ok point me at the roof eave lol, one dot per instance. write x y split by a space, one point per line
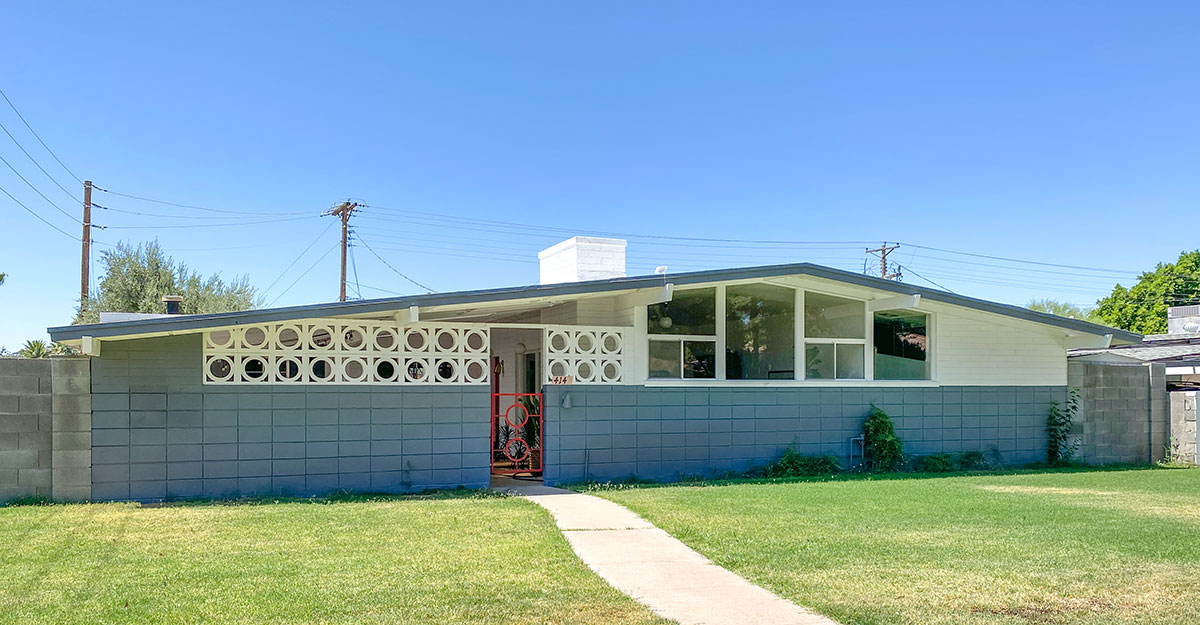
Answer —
185 323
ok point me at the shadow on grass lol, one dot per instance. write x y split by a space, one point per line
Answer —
330 499
693 481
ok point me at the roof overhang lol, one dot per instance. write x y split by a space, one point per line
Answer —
549 294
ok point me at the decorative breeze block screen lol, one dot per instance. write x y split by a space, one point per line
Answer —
347 352
589 355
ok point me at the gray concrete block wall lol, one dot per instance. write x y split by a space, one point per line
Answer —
1183 426
44 428
613 432
1124 413
158 432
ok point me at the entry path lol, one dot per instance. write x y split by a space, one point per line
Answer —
654 568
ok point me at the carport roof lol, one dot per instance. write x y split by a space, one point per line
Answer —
186 323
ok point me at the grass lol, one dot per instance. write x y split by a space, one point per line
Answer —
1074 547
448 559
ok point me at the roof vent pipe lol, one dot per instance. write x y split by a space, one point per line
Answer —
172 302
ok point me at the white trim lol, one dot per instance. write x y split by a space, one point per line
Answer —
721 322
893 303
694 382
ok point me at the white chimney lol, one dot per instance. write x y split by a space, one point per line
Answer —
583 258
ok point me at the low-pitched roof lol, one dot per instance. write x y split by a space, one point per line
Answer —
178 323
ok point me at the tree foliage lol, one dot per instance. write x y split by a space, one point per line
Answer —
136 279
1143 307
41 349
1063 309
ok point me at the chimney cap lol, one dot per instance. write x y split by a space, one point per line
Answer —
172 298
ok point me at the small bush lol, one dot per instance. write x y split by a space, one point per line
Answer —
792 464
936 463
969 460
1061 447
883 449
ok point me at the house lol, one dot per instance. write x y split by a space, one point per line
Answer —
588 375
1177 355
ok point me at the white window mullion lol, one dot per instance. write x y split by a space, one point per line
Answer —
869 347
798 320
720 355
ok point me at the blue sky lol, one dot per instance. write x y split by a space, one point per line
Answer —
1061 132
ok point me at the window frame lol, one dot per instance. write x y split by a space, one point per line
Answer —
802 334
801 342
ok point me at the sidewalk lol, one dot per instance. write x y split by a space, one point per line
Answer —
654 568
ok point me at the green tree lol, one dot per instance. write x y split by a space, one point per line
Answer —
2 277
1143 307
1063 309
136 279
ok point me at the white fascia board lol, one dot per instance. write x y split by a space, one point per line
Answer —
898 302
1088 341
654 296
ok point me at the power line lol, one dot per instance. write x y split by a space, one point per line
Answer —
159 215
297 259
34 213
200 208
229 224
543 228
389 266
301 277
35 190
39 138
910 269
354 265
35 163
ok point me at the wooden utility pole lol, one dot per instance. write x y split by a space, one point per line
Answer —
883 251
85 263
344 210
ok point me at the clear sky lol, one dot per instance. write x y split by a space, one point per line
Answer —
479 133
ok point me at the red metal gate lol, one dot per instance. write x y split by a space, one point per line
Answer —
516 433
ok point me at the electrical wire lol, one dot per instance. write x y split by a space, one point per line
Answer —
38 137
389 266
443 217
37 191
200 208
913 272
306 271
34 213
35 163
297 259
224 225
353 265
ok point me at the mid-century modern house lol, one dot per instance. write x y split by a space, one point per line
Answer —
588 375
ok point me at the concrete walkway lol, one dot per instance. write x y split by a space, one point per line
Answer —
657 570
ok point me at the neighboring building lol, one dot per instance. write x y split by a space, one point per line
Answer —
654 376
1177 353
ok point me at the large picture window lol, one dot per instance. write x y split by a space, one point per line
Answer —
683 335
689 312
834 337
764 331
760 332
901 346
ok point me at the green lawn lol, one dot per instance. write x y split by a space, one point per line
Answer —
449 560
1075 548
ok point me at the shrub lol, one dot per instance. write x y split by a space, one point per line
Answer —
936 463
883 449
969 460
1060 447
792 464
